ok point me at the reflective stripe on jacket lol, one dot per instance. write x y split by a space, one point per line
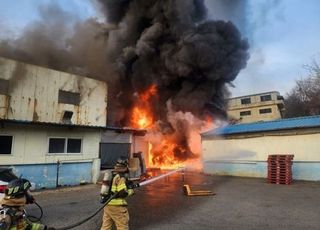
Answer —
118 184
29 226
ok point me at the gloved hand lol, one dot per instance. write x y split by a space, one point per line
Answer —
131 185
121 194
29 198
104 198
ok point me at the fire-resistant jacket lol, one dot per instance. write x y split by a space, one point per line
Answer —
118 184
17 206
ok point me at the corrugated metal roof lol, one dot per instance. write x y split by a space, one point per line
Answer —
266 126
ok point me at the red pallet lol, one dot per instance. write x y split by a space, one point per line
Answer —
279 180
280 171
279 174
277 156
279 161
278 168
280 158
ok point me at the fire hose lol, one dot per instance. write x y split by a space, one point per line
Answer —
113 196
89 217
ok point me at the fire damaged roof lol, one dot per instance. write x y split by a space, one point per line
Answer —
266 126
138 132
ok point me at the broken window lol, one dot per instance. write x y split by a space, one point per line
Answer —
65 145
6 144
66 117
67 97
4 87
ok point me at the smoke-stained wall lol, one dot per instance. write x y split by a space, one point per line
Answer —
39 94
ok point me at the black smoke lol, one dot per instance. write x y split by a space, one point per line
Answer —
166 43
171 44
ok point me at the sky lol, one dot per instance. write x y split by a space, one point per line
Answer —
284 35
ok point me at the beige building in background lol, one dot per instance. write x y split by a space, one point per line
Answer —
256 107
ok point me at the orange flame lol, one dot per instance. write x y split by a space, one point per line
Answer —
164 152
162 155
141 115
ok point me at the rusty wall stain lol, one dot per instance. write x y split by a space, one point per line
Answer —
35 116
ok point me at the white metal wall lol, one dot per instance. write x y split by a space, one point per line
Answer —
304 147
248 156
33 95
30 144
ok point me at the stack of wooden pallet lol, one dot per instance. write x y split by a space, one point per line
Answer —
280 169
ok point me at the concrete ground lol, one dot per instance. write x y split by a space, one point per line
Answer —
239 203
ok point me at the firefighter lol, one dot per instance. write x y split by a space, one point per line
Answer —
116 211
13 204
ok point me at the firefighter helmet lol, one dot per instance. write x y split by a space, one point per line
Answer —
121 165
17 187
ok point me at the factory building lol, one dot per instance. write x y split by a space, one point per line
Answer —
243 149
53 126
256 107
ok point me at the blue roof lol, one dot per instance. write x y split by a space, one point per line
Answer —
265 126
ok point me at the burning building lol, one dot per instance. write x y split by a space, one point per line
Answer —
167 67
171 66
53 125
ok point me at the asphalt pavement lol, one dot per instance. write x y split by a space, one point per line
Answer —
239 203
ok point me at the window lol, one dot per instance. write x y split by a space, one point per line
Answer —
6 144
262 111
246 101
64 145
57 145
245 113
74 145
280 98
265 97
67 97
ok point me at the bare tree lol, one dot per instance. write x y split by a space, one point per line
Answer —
304 98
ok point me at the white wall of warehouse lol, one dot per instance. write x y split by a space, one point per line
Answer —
304 147
30 144
247 156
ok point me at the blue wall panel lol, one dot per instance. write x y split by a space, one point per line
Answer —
45 175
306 171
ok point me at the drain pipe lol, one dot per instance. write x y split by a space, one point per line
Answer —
58 169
